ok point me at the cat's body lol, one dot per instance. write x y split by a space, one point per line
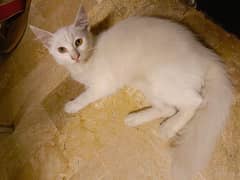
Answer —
139 53
182 80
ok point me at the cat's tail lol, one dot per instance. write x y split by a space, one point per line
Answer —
194 148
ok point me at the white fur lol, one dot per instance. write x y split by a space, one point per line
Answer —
181 78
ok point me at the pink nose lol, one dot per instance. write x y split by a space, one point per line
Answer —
76 57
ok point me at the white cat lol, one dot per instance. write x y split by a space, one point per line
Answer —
183 80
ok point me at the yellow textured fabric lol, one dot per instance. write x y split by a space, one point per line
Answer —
49 144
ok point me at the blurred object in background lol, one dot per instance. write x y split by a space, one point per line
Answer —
224 13
6 129
13 23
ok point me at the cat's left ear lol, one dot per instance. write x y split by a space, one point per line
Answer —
42 35
81 19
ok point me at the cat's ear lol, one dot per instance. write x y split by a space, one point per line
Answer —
81 19
42 35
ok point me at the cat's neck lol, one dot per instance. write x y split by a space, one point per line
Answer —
75 68
79 72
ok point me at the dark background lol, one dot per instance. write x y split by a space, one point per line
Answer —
225 13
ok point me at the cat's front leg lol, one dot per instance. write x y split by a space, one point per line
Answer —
76 104
86 98
80 102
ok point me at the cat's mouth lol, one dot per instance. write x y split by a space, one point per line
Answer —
76 58
84 57
81 60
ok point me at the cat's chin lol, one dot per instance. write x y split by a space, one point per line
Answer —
67 61
79 62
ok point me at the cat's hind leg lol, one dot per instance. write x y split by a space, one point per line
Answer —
178 110
186 110
149 114
159 110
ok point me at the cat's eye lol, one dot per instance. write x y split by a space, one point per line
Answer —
78 42
62 49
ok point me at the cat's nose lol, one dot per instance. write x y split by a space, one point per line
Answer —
75 57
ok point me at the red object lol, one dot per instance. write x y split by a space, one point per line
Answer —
11 8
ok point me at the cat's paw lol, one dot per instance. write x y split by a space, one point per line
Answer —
132 121
71 107
167 131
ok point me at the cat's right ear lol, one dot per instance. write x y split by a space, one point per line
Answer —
81 19
42 35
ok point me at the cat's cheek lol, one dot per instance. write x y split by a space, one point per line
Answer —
66 59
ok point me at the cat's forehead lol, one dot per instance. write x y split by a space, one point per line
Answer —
69 33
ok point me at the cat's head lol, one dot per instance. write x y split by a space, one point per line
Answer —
71 44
